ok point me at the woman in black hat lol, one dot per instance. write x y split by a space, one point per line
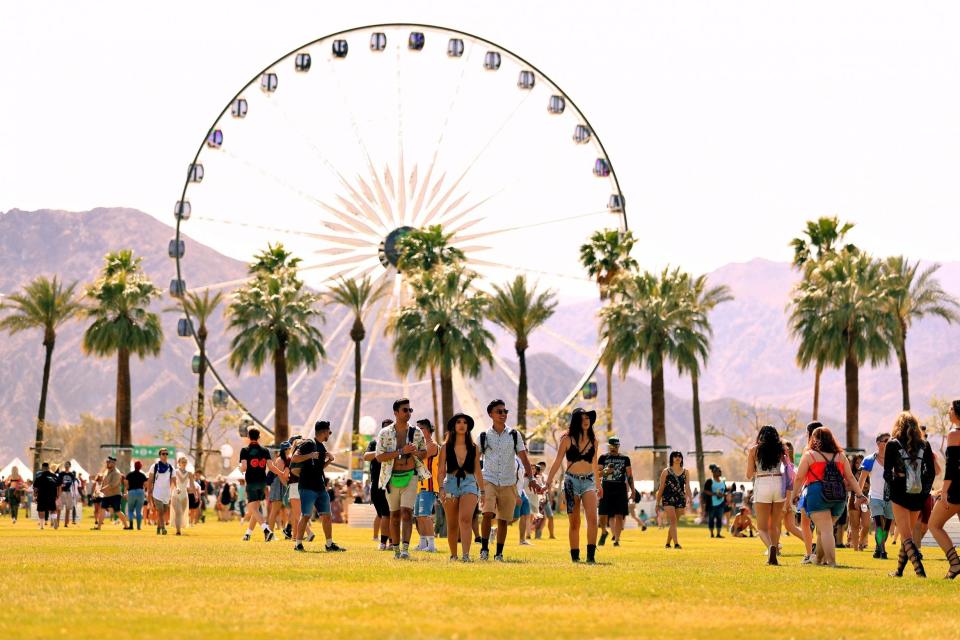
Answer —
581 482
460 490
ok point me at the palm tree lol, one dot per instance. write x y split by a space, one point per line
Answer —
843 302
122 325
424 249
696 349
520 310
651 322
199 309
912 295
272 317
43 304
357 296
442 326
823 237
606 257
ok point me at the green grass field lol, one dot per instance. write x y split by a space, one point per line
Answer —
208 584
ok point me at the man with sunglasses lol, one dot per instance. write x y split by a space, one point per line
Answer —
881 509
500 447
400 450
158 489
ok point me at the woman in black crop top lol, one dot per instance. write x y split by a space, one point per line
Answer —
673 495
581 482
460 490
949 503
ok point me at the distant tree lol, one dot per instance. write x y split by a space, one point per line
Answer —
184 431
938 424
425 249
81 441
43 304
747 420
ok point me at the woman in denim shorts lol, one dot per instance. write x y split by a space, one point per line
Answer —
581 482
460 491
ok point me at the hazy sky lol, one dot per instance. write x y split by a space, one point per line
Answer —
728 123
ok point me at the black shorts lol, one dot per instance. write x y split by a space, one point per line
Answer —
46 505
614 501
256 492
192 501
113 502
379 499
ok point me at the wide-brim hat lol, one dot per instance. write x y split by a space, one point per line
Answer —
591 413
452 422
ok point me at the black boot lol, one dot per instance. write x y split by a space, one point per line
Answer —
914 554
901 563
954 561
591 554
575 555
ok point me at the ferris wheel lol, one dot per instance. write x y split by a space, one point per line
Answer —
339 147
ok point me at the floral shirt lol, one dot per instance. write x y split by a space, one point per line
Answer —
387 443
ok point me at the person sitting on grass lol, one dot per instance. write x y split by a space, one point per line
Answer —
742 524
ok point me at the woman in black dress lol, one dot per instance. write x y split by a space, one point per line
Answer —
673 495
949 503
908 469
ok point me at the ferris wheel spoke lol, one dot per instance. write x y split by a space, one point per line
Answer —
522 270
532 225
348 240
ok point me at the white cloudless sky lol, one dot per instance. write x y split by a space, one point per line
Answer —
728 124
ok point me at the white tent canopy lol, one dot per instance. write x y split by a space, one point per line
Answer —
26 471
78 469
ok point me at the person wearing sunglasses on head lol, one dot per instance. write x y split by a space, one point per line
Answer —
401 449
500 447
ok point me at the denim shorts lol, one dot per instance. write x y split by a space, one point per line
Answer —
881 508
574 486
522 509
423 507
309 499
467 485
814 501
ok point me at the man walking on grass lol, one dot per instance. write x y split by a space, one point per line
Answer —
500 447
111 486
401 449
45 493
427 492
66 493
253 464
617 487
312 456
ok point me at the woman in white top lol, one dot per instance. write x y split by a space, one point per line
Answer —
765 466
183 485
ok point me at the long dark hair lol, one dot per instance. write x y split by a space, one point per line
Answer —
769 447
450 441
576 428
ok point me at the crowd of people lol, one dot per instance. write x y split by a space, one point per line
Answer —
471 490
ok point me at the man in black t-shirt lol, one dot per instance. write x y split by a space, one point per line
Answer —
617 486
378 496
45 486
66 479
253 464
312 456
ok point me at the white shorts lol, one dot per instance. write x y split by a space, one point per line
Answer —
768 489
294 491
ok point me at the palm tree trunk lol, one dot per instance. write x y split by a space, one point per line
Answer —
904 371
201 399
852 381
816 391
42 411
657 405
439 426
609 374
697 432
281 429
446 391
357 390
124 429
522 393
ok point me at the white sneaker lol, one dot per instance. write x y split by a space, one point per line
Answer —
526 543
404 555
431 548
421 546
808 559
382 547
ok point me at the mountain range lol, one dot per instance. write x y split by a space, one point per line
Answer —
751 364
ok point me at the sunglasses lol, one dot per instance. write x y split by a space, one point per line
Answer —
406 409
502 412
163 455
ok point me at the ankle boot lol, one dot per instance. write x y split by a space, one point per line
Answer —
954 561
914 554
901 563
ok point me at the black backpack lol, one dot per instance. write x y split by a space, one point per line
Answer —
833 488
513 432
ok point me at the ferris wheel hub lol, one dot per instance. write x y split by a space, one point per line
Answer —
389 254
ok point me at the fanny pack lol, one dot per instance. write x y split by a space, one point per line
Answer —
401 479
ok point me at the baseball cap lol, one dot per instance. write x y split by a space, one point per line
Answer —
613 440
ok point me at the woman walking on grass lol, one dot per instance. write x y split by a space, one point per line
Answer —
766 466
673 495
460 490
949 503
184 485
790 511
581 482
908 468
826 473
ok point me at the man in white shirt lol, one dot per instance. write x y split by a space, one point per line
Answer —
500 446
881 510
